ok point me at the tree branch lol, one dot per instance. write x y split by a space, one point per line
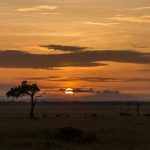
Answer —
39 96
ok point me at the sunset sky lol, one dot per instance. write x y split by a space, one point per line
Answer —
99 44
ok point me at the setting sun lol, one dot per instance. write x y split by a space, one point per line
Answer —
69 91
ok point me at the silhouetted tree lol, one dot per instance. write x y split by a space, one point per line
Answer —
26 89
138 106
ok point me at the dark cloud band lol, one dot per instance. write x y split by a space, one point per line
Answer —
64 48
19 59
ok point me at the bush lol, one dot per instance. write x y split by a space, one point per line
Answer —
69 134
147 115
52 145
24 145
94 115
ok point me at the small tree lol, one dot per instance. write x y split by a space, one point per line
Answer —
26 89
138 106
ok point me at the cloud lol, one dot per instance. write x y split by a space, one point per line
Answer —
37 8
88 79
141 8
100 23
50 13
136 8
98 79
137 19
44 34
64 48
138 45
72 79
20 59
137 80
79 90
104 96
41 78
146 70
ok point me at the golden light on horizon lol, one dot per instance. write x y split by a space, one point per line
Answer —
69 91
58 51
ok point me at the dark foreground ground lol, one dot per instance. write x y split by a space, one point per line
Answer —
112 131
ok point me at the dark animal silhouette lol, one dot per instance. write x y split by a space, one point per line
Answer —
94 115
125 114
44 115
67 116
58 115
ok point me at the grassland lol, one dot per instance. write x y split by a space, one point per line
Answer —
113 132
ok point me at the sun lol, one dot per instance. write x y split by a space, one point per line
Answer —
69 91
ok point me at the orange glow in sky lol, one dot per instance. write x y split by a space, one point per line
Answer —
76 43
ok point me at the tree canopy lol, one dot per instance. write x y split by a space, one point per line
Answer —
24 89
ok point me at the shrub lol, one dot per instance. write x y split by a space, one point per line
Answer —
94 115
69 134
147 115
24 145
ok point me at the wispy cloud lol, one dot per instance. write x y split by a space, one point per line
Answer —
100 23
141 8
137 80
136 8
71 79
137 19
146 70
57 34
37 8
88 79
45 13
42 78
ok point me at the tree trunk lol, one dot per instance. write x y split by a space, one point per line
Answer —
138 109
32 108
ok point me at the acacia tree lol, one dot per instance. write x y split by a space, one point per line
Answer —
138 106
26 89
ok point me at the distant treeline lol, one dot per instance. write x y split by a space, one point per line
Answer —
78 103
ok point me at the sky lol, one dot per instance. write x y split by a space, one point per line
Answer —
99 44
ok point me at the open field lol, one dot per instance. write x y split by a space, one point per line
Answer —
113 132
